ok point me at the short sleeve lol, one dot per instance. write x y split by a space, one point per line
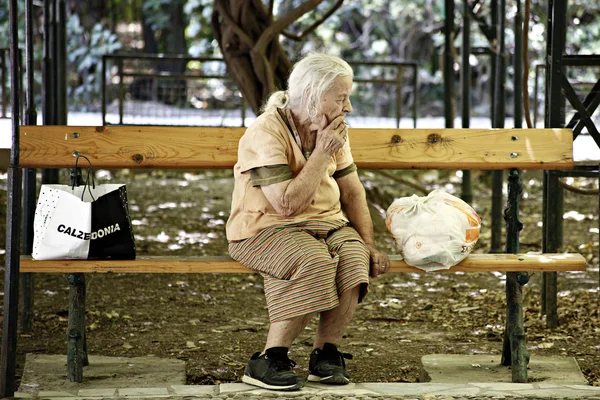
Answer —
270 174
343 157
262 145
340 173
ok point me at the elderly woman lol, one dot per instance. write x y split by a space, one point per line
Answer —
299 216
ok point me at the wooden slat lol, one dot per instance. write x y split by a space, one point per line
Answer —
473 263
205 147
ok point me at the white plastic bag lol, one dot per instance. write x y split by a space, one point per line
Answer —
433 232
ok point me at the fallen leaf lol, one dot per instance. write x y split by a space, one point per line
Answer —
545 345
465 309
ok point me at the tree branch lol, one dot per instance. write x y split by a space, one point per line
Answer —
271 5
314 26
236 28
589 192
482 23
269 34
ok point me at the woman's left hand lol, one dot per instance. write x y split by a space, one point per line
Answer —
380 262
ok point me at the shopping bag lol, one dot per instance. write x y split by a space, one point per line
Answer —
83 222
433 232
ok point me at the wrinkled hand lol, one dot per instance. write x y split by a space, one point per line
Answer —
331 137
380 262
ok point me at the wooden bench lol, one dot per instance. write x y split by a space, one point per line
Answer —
196 148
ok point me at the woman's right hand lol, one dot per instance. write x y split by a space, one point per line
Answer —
331 137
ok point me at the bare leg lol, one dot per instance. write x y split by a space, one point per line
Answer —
333 323
283 333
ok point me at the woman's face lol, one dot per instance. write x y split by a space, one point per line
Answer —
336 100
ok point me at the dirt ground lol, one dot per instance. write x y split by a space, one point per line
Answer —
215 322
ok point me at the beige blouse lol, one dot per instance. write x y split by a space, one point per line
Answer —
269 142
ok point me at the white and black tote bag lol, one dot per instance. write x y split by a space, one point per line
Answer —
83 222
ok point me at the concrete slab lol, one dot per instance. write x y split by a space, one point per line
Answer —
458 368
108 392
145 391
54 393
21 395
408 389
49 373
194 390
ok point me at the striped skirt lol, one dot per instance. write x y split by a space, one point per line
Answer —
306 266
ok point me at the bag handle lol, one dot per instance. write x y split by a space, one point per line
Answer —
90 172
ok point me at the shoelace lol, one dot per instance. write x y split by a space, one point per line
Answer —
281 364
347 356
334 359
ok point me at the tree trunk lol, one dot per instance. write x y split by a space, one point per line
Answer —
237 26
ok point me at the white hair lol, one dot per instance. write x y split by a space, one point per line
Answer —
310 79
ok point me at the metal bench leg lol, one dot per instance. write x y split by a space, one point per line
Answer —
77 349
514 350
514 347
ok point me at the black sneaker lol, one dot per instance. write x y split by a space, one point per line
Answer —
272 370
328 366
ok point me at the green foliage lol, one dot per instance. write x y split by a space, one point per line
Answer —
155 13
199 31
84 52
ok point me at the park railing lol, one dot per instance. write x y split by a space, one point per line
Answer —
592 100
156 89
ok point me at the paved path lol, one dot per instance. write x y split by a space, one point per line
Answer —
313 391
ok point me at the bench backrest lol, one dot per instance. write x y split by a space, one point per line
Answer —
206 147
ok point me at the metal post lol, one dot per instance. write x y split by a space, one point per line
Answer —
103 87
3 81
518 67
465 77
535 93
493 57
554 119
47 73
49 84
121 89
415 95
514 349
8 356
54 55
243 104
76 352
550 244
21 86
449 64
61 62
29 184
500 77
399 72
498 122
466 67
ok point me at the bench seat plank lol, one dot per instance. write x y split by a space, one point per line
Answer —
207 147
175 264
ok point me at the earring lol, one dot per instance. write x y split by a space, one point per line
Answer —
311 115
